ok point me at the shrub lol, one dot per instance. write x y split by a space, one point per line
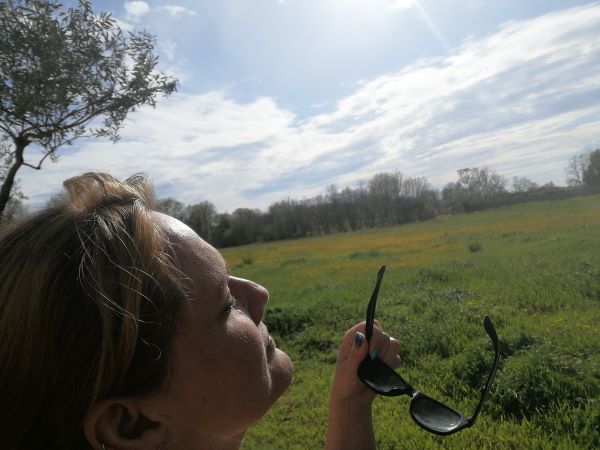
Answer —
365 254
438 275
513 343
458 294
535 380
285 322
473 365
475 247
315 345
428 338
582 422
291 261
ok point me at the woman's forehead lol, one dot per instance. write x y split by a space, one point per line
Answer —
194 255
171 226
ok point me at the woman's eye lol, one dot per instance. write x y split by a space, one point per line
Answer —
232 303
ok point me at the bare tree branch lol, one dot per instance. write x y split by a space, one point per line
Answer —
39 164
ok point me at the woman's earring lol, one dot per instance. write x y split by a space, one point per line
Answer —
103 446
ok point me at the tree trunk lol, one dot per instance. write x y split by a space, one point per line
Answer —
7 184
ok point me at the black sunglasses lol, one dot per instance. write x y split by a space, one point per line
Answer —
427 412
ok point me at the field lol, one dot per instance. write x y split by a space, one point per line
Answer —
534 268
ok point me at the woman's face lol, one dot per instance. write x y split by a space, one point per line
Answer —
227 371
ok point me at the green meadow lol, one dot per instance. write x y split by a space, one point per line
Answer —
533 268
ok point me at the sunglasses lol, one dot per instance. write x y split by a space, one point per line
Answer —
427 412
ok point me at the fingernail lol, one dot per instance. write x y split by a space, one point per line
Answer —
375 353
357 339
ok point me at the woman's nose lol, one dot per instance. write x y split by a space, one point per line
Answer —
251 296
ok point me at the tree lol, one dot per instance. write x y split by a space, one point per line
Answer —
475 189
454 197
66 74
575 168
201 218
591 174
222 230
384 190
415 187
523 184
171 207
483 184
58 199
6 161
246 226
15 209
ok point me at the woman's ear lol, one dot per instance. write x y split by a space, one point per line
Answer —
122 424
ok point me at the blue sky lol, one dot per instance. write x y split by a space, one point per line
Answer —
281 98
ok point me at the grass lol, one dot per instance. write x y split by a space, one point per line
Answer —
534 268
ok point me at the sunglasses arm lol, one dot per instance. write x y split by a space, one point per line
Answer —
372 304
492 333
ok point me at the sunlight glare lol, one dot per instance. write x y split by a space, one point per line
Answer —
431 25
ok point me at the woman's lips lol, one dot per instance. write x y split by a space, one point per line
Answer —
271 345
268 340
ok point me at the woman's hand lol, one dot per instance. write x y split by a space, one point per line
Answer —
347 387
350 422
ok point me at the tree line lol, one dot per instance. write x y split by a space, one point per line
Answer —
387 199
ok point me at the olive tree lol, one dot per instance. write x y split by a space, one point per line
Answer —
65 74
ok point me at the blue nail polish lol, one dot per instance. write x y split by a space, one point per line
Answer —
375 354
357 339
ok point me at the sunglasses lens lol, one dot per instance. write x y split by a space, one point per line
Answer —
435 416
381 378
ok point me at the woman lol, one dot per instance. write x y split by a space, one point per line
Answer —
120 328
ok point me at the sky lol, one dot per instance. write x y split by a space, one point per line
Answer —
282 98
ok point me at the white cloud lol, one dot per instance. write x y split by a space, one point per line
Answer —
123 25
474 4
167 47
136 9
400 5
521 100
177 10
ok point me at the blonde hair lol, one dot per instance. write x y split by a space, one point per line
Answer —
88 301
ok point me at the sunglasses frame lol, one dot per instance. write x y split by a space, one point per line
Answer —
372 369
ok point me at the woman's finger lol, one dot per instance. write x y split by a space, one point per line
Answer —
391 356
358 352
348 341
379 343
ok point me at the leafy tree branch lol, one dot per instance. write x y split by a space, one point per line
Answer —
66 74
